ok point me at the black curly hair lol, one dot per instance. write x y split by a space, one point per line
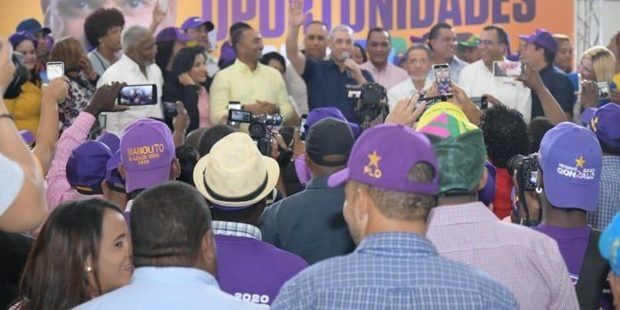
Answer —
505 134
99 22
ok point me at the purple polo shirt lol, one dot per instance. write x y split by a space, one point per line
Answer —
572 243
254 270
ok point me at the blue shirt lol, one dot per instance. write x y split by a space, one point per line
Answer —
309 223
608 195
560 87
327 86
393 270
169 288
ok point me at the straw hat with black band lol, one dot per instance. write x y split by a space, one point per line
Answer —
234 174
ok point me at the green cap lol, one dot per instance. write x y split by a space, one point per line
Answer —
471 42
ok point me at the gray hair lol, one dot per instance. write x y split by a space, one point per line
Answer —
420 47
345 28
133 35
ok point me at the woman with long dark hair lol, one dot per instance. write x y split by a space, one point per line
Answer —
190 71
83 251
25 105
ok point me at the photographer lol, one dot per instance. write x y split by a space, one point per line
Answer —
568 182
505 135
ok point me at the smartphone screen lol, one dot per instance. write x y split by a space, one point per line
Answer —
481 102
239 116
302 127
604 92
442 79
55 69
138 95
508 69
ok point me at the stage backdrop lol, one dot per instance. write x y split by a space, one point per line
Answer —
404 18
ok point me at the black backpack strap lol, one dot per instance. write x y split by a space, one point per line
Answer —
593 274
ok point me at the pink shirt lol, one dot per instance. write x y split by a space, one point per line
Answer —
527 262
204 108
388 76
58 188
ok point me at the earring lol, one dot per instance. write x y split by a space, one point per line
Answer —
89 268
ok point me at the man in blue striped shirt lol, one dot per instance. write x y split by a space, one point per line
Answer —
392 182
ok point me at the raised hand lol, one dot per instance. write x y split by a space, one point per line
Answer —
296 16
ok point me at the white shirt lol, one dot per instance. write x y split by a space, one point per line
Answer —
388 76
405 89
11 181
476 80
126 70
297 89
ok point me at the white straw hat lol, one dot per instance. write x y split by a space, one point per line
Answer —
234 173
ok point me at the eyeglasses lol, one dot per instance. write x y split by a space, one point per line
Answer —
486 42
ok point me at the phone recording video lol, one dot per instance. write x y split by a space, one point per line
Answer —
508 69
481 102
442 79
239 116
138 95
302 127
604 91
55 69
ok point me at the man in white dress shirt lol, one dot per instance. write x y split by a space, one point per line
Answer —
136 66
477 78
417 64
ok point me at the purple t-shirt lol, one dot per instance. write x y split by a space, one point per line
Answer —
572 243
254 270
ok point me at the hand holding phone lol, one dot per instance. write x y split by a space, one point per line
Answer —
138 95
55 69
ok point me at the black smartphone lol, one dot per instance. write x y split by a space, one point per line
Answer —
302 127
239 116
481 102
443 80
138 95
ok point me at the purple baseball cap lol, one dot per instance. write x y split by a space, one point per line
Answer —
320 113
543 38
605 123
147 151
383 156
86 167
570 158
27 136
20 37
586 116
112 176
110 140
196 21
171 34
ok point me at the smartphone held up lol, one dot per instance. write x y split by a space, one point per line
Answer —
509 69
54 69
138 95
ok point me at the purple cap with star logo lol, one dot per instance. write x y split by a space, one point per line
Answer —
570 158
605 123
383 156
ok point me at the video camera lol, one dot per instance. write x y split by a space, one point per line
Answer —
259 129
526 168
371 102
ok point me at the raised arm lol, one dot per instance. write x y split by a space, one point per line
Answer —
551 108
47 134
29 208
296 18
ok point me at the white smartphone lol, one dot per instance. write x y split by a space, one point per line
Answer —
55 69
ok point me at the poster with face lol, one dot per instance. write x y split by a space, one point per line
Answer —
66 17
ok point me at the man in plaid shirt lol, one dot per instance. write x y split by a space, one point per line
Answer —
391 186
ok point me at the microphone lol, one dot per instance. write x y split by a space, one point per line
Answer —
344 56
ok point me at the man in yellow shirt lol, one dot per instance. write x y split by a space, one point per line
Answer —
258 87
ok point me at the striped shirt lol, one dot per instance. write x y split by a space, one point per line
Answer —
393 270
529 263
609 193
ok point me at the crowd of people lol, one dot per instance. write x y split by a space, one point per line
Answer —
444 203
